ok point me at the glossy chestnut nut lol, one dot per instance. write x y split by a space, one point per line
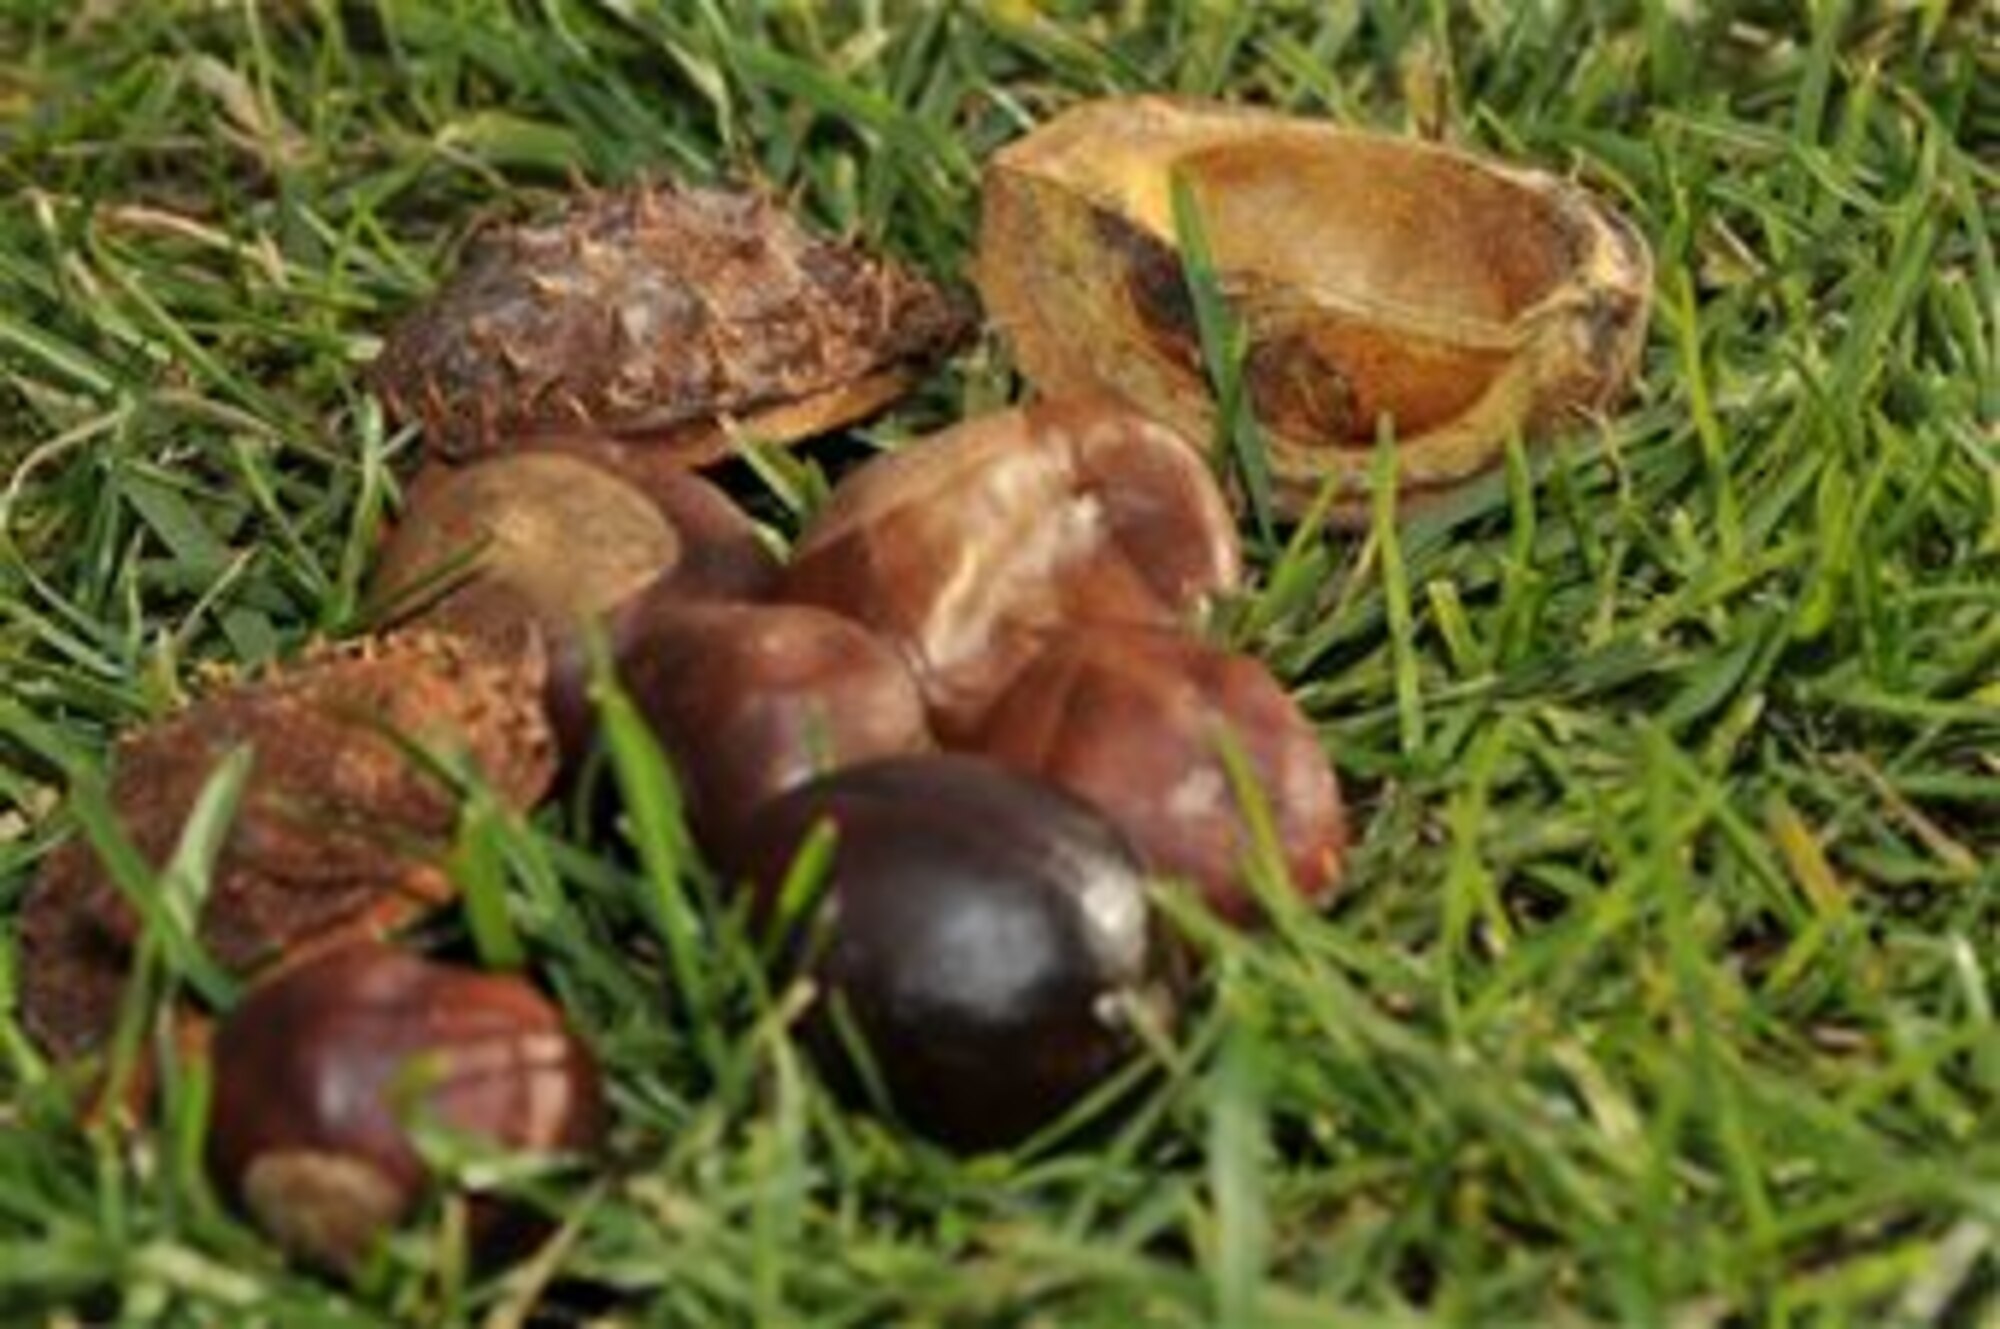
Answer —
545 541
321 1070
961 548
751 700
986 934
1130 720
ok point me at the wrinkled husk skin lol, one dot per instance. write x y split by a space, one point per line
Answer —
668 316
341 829
1462 299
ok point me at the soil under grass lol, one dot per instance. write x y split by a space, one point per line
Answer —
1663 988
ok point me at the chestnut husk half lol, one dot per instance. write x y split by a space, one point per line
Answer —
1463 300
963 548
985 936
675 317
342 828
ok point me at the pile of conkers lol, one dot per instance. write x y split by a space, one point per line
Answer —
980 671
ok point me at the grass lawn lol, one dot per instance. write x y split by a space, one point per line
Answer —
1663 987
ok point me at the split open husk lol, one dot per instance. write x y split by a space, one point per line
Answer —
672 318
1463 299
342 830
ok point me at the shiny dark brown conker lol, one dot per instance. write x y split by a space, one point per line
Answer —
751 700
1133 721
962 547
986 936
321 1072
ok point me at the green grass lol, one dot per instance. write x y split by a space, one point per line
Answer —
1663 988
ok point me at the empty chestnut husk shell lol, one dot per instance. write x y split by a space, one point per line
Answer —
751 700
549 540
1132 720
985 936
668 316
963 547
321 1072
1463 300
342 828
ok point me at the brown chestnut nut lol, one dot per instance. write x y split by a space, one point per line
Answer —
722 556
984 934
320 1073
1129 719
751 700
550 539
962 547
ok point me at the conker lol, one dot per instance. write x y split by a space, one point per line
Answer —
321 1071
963 547
751 700
1131 719
987 934
722 556
548 540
